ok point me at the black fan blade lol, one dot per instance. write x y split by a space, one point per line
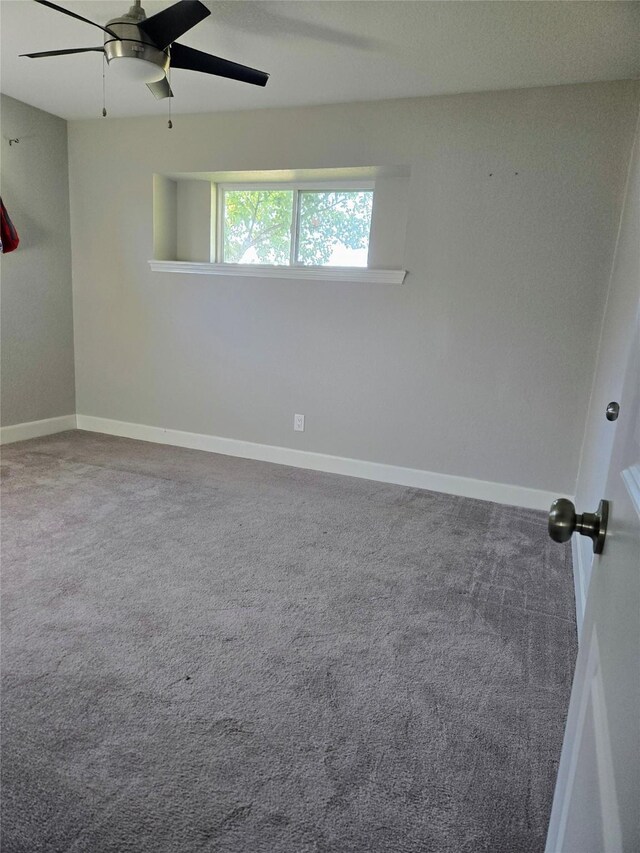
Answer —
161 89
196 60
171 23
63 52
79 17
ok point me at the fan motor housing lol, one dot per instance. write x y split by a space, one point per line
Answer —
133 44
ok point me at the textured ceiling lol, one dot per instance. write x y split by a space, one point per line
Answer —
329 51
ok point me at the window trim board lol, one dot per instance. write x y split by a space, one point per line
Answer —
357 275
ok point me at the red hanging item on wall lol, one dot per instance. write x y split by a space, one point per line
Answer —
9 239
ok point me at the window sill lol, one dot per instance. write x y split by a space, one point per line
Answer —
352 274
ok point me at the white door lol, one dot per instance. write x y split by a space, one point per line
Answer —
596 806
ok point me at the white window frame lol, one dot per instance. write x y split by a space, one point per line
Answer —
296 187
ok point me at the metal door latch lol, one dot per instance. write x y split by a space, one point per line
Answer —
612 412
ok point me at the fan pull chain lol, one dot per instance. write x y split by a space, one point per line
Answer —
104 87
169 123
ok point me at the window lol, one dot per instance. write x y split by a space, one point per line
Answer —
302 225
341 224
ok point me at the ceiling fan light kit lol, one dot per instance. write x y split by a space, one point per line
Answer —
142 50
136 69
132 55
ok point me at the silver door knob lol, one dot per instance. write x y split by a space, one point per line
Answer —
563 522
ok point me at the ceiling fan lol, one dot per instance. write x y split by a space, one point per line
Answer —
143 49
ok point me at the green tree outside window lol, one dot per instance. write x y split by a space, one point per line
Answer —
333 226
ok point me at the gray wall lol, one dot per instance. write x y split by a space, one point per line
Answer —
480 365
36 299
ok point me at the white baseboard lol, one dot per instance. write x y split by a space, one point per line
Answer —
36 429
464 486
582 554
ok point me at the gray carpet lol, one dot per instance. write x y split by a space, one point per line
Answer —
203 653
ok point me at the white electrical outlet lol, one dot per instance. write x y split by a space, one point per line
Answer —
298 423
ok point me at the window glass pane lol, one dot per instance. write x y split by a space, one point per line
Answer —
334 227
257 226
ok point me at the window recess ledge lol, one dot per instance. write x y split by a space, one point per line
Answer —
297 273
